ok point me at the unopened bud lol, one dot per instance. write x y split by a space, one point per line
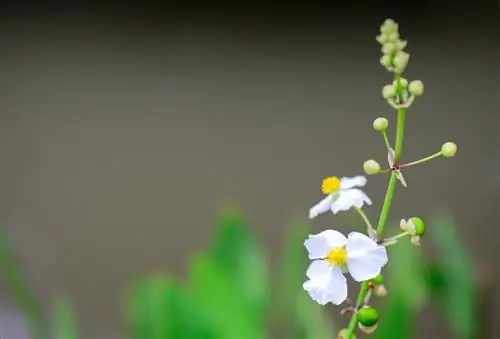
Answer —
401 61
389 48
343 334
393 37
371 167
367 316
417 225
380 291
402 82
389 92
416 88
386 61
449 149
382 39
380 124
401 44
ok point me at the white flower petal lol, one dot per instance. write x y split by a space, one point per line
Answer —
318 245
365 258
346 182
319 270
333 238
321 207
349 198
332 288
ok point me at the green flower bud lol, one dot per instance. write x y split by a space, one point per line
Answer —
367 316
371 167
449 149
389 92
401 44
378 280
382 39
342 334
393 37
418 225
416 88
401 61
389 26
380 124
389 48
386 61
402 82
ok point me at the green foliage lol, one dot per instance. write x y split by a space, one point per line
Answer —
228 292
64 319
447 281
407 291
451 279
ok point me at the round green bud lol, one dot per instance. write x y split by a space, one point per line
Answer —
419 226
378 280
386 61
401 44
416 88
380 124
382 39
402 82
401 61
389 92
342 334
389 48
367 316
449 149
393 37
371 167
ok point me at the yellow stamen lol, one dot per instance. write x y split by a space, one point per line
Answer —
330 185
337 256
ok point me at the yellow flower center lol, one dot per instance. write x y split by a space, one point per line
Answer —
337 256
330 185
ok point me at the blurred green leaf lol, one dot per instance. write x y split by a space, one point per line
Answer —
237 252
217 295
451 279
64 319
407 290
302 317
158 308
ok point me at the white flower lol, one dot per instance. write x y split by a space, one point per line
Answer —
331 251
342 194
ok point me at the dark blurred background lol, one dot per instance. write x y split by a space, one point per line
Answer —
125 126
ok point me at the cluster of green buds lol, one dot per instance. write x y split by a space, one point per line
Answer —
400 95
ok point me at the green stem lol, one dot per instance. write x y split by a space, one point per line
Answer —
386 140
354 320
366 220
21 292
384 213
423 160
399 134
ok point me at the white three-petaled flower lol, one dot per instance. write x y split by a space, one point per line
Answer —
342 194
331 251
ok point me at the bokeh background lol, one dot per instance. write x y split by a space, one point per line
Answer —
124 127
